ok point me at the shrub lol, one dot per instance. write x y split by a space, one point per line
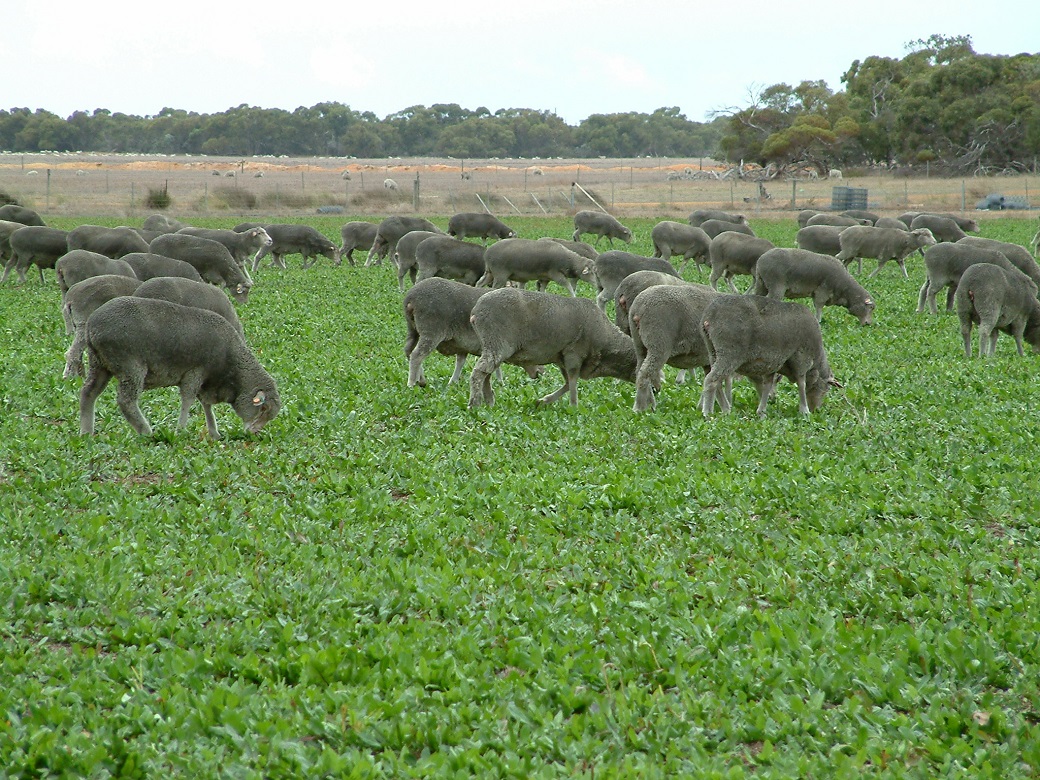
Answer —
159 199
233 198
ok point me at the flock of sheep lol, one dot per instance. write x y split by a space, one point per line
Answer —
144 304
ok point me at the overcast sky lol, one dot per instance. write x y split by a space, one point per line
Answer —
573 57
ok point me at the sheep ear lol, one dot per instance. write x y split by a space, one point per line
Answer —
259 398
835 383
869 302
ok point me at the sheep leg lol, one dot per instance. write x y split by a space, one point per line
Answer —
803 401
713 383
190 386
922 296
131 385
966 336
211 421
732 286
713 278
480 391
95 383
1017 330
764 387
601 300
880 265
647 381
460 364
423 349
902 267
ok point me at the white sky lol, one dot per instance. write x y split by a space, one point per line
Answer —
573 57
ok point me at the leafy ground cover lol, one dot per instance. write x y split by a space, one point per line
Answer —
386 583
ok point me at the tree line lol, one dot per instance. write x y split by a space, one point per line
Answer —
942 104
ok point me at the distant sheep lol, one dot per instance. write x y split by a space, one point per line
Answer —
678 238
838 220
613 266
883 244
822 239
942 228
834 174
356 235
714 227
523 260
390 184
735 254
601 225
700 216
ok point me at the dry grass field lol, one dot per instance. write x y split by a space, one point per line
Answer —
74 184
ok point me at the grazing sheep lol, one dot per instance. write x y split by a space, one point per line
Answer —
735 253
677 238
6 229
245 245
945 264
525 260
579 247
148 265
884 244
869 216
613 266
967 224
356 235
449 258
1035 243
822 239
528 328
80 264
81 300
796 273
34 244
404 255
160 223
191 293
764 339
437 312
834 174
805 215
632 285
147 343
390 184
601 225
987 296
700 216
891 222
12 212
480 225
665 323
111 242
836 220
390 231
941 228
210 258
292 239
1018 255
715 226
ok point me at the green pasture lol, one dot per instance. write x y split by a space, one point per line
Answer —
384 583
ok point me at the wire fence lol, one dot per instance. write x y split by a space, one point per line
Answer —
75 184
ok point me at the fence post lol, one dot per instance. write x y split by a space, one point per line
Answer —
48 189
964 196
794 184
415 192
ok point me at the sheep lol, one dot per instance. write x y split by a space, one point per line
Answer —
1035 243
404 255
12 212
436 313
665 323
191 293
945 263
796 273
834 174
700 216
443 256
835 220
632 285
390 231
356 235
987 296
210 258
967 224
764 339
613 266
528 328
80 264
245 245
34 244
579 247
147 343
891 222
524 260
715 226
822 239
677 238
805 215
390 184
869 216
479 225
884 244
111 242
148 265
735 253
942 228
160 223
292 239
6 229
80 301
600 225
1018 255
